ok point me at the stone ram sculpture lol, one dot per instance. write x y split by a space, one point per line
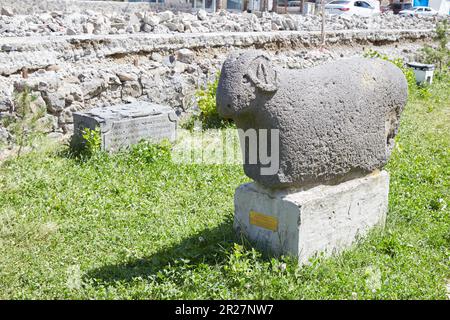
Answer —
336 121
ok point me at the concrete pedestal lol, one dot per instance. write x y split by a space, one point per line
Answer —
321 219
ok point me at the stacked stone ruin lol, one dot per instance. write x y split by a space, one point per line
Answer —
72 59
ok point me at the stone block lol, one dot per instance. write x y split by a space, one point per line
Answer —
325 218
127 124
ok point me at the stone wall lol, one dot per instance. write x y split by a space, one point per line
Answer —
69 73
58 23
71 6
78 73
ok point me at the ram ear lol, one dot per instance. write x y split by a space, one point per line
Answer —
262 74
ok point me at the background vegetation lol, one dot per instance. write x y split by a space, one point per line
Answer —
207 112
439 55
26 121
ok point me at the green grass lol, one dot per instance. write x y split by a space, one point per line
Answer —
137 226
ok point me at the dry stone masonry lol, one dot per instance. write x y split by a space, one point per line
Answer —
70 75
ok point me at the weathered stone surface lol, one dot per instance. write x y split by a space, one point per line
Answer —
4 136
324 219
7 11
166 16
336 121
6 97
152 20
126 77
201 14
185 55
124 125
47 124
88 28
131 89
71 32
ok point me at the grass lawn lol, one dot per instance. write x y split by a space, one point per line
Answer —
137 226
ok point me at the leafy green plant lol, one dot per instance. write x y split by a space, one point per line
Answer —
92 140
440 56
147 152
424 92
209 117
241 264
23 126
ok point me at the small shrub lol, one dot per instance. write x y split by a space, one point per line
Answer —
92 141
209 117
424 92
147 152
241 264
24 125
440 56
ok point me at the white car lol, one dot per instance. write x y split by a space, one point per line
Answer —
425 11
353 7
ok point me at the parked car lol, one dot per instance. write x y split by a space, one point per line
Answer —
353 7
419 11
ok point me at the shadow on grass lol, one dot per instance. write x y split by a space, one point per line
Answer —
209 246
76 155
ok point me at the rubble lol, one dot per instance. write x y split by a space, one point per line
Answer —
7 11
88 22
